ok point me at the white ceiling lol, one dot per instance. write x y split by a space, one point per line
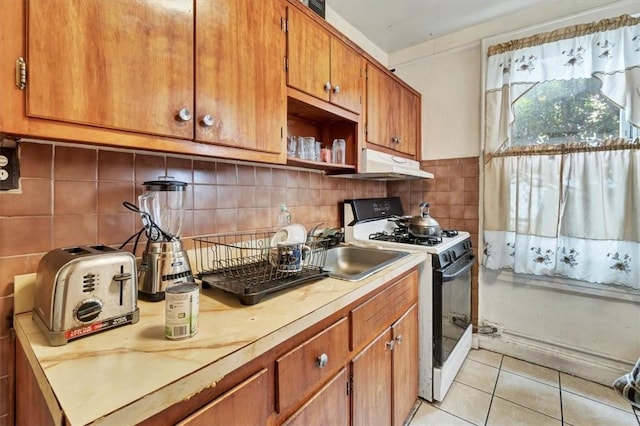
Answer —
393 25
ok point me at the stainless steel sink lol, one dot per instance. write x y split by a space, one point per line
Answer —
357 263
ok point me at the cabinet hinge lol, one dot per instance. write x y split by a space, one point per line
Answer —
286 63
350 384
281 132
21 73
284 23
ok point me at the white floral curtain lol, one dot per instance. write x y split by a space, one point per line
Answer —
571 209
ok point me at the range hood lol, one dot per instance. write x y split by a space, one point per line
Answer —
378 165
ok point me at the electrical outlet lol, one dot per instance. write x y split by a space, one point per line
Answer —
9 168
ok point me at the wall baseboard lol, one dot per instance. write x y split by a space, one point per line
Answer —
586 366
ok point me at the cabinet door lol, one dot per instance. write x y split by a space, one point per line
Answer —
405 365
124 65
245 404
346 76
240 80
409 122
308 49
371 396
327 407
382 108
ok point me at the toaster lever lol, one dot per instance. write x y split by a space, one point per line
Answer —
121 278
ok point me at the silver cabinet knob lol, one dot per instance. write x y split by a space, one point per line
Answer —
327 86
390 344
183 115
207 120
322 360
336 89
399 339
395 139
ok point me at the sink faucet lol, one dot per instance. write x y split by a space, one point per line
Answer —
313 231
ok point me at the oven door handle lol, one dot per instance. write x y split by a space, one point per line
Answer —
459 268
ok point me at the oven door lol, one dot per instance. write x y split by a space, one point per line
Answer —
452 327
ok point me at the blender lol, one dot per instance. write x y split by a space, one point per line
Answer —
164 261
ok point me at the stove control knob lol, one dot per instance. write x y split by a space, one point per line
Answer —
452 255
446 257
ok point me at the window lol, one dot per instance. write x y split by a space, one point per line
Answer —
562 170
555 112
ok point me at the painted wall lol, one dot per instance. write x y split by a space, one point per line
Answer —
582 332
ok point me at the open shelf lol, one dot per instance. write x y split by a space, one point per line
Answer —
333 167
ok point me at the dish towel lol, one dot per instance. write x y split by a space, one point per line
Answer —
628 386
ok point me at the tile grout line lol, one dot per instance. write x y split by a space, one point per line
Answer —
493 396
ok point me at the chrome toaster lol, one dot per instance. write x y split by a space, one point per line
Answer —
83 290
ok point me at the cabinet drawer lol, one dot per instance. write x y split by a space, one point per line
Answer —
380 311
330 406
231 407
307 366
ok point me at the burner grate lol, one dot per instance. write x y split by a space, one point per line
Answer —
401 235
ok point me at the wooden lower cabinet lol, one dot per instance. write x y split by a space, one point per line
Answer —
245 404
31 405
358 366
385 374
405 365
329 406
371 393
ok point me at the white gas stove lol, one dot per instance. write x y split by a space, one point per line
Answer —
444 293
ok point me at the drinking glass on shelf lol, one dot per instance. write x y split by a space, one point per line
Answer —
292 143
338 151
300 147
308 148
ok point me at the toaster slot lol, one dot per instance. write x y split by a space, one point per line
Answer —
103 249
76 251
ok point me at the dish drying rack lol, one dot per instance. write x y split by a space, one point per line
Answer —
243 264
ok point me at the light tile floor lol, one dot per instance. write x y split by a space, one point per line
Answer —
494 389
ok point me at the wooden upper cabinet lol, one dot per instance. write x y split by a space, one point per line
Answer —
321 65
347 71
393 113
408 130
382 105
240 78
124 65
308 50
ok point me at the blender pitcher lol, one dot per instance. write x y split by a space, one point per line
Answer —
163 201
164 261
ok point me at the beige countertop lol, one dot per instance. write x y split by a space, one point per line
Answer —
126 374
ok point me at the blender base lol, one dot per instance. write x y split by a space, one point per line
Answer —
164 263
